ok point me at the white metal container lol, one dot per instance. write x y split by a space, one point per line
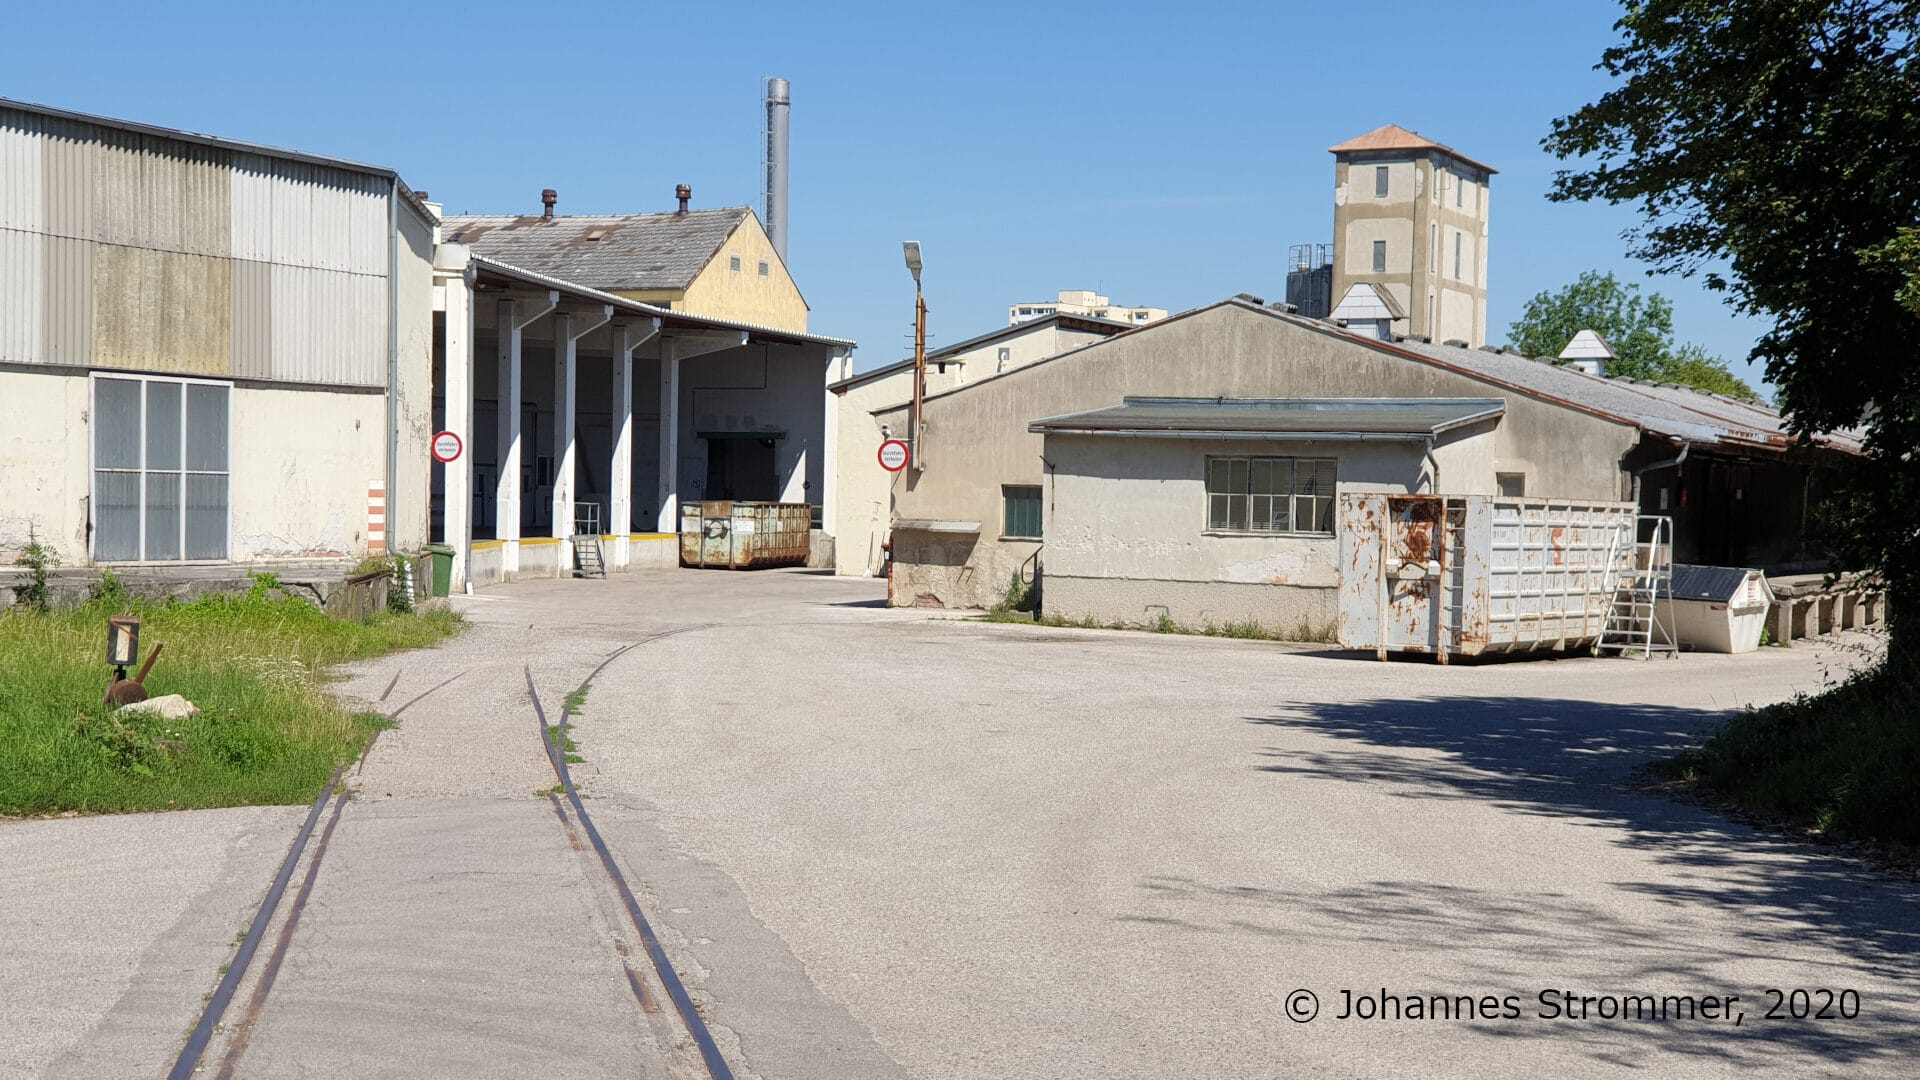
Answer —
1472 574
1720 608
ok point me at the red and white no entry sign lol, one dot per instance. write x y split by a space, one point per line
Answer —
893 455
446 447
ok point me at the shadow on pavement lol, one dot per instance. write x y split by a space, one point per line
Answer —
1572 760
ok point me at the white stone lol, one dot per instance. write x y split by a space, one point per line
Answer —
169 707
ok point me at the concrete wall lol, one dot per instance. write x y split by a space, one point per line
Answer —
743 295
409 503
977 438
1128 538
299 461
44 478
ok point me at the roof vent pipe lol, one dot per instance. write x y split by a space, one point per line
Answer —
548 197
685 194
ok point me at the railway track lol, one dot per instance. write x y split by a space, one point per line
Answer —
189 1063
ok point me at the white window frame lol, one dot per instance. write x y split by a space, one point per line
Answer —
1379 257
1293 495
1381 182
93 469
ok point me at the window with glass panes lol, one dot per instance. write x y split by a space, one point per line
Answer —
159 469
1270 494
1022 512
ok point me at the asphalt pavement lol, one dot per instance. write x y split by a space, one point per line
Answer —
884 843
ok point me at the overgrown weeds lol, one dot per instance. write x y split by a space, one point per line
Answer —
254 665
1841 762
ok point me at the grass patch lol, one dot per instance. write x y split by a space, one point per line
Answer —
1840 762
266 735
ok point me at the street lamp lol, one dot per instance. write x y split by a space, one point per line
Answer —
912 250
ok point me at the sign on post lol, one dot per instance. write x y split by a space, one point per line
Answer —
446 447
893 455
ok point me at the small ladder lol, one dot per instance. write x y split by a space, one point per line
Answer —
588 558
1641 619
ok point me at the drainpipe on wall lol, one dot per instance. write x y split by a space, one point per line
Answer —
393 357
1673 462
1433 469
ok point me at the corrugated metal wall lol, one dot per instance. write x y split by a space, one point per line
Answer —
128 250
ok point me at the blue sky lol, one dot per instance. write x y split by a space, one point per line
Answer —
1163 154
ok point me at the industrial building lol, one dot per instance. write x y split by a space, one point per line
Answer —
222 354
863 493
1409 218
1213 502
1084 302
210 351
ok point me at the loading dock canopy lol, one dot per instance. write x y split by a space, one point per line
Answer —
1386 419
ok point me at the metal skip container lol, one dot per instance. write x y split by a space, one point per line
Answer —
1471 574
729 535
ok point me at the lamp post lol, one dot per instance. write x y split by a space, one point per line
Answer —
912 249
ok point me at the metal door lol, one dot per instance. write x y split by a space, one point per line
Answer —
1412 568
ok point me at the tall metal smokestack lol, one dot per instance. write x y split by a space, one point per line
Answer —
779 103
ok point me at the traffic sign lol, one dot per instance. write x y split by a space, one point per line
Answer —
446 447
894 455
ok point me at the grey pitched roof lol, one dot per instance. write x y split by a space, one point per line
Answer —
1314 418
1668 409
605 251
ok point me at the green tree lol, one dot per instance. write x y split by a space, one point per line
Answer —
1771 147
1639 327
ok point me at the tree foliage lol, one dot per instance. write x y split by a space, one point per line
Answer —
1771 146
1639 327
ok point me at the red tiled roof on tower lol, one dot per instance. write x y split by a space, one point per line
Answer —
1395 137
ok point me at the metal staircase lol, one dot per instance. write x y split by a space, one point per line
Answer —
588 558
1641 619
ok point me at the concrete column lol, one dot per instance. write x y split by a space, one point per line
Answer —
506 503
565 383
830 443
457 514
620 473
515 317
669 521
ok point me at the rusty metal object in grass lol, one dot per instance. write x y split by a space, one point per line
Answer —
125 691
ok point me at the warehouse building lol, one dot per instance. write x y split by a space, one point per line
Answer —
1188 468
567 400
216 354
863 492
210 351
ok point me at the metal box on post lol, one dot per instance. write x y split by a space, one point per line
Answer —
1472 574
730 535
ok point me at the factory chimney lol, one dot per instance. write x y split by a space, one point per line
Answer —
779 103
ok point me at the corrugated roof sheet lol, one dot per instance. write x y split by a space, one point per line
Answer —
605 251
1666 409
1395 137
666 315
1405 417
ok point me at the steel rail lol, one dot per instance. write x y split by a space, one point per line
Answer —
696 1026
216 1007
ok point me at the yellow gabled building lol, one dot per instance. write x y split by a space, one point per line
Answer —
716 263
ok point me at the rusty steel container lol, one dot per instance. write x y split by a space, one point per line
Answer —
1471 574
727 535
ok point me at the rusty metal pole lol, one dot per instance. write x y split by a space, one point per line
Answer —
919 369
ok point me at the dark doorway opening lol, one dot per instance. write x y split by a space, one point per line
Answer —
741 469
